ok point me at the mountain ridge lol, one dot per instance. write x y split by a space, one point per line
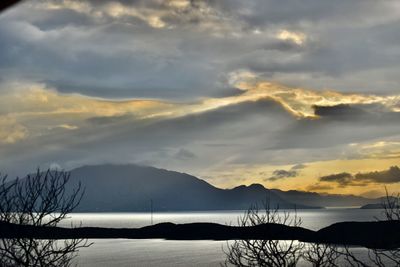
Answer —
131 187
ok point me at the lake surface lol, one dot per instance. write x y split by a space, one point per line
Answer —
157 252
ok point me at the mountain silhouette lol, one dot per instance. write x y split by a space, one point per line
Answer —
123 188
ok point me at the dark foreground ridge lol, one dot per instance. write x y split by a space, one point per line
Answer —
383 234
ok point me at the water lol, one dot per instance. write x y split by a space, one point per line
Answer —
157 252
312 219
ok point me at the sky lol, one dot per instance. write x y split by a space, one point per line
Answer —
300 95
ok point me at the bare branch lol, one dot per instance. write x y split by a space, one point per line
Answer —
40 199
264 252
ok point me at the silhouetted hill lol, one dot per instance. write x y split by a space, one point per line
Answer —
381 234
131 187
324 200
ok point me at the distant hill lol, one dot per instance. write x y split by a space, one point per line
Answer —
120 188
324 200
372 206
379 203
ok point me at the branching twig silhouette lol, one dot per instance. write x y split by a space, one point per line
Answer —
38 200
288 253
380 257
265 252
391 206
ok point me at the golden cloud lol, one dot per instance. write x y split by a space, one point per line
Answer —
299 101
39 108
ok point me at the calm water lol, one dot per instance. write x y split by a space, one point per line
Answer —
157 252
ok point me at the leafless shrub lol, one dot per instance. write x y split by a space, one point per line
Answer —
380 257
272 253
391 212
287 253
38 200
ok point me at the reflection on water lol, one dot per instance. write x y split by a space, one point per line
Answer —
152 252
156 252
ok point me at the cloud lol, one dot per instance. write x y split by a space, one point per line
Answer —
184 49
260 125
11 131
64 126
375 149
387 176
155 14
309 103
141 138
342 111
344 179
281 174
296 37
37 101
235 83
145 66
299 167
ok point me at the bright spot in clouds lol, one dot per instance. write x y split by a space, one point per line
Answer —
296 37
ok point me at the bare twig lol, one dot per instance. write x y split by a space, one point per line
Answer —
40 199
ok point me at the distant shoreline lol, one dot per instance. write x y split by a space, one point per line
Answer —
206 211
219 211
